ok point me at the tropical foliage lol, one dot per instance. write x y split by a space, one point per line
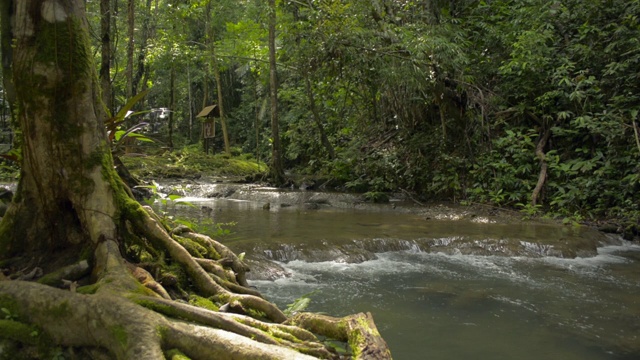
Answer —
530 103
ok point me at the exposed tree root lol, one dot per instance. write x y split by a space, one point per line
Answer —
358 330
205 283
129 331
133 316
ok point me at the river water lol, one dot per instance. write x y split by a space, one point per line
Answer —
432 294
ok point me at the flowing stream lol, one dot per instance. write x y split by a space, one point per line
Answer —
441 284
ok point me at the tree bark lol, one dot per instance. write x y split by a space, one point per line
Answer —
542 176
64 142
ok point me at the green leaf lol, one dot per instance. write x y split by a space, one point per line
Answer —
127 107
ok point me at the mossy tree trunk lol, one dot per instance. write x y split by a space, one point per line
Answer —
73 219
63 197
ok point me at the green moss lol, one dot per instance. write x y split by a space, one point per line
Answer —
178 272
86 254
195 249
256 314
61 310
14 330
121 335
88 289
51 279
203 303
208 249
9 308
96 158
140 289
131 209
160 308
67 44
175 354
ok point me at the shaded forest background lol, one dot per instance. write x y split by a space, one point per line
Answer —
530 104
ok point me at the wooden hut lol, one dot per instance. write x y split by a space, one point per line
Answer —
209 115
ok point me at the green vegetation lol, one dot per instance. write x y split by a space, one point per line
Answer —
203 302
121 335
528 104
190 162
299 304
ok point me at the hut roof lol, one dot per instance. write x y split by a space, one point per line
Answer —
209 111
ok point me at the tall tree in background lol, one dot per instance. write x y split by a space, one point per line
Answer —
277 168
210 42
131 23
142 70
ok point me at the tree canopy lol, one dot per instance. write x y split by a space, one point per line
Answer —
530 104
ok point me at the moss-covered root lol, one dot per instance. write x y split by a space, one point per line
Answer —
266 333
237 265
160 238
70 273
72 319
221 276
358 330
207 343
124 328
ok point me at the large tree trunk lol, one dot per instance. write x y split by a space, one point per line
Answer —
73 219
64 146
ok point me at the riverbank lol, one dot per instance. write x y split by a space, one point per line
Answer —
191 165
